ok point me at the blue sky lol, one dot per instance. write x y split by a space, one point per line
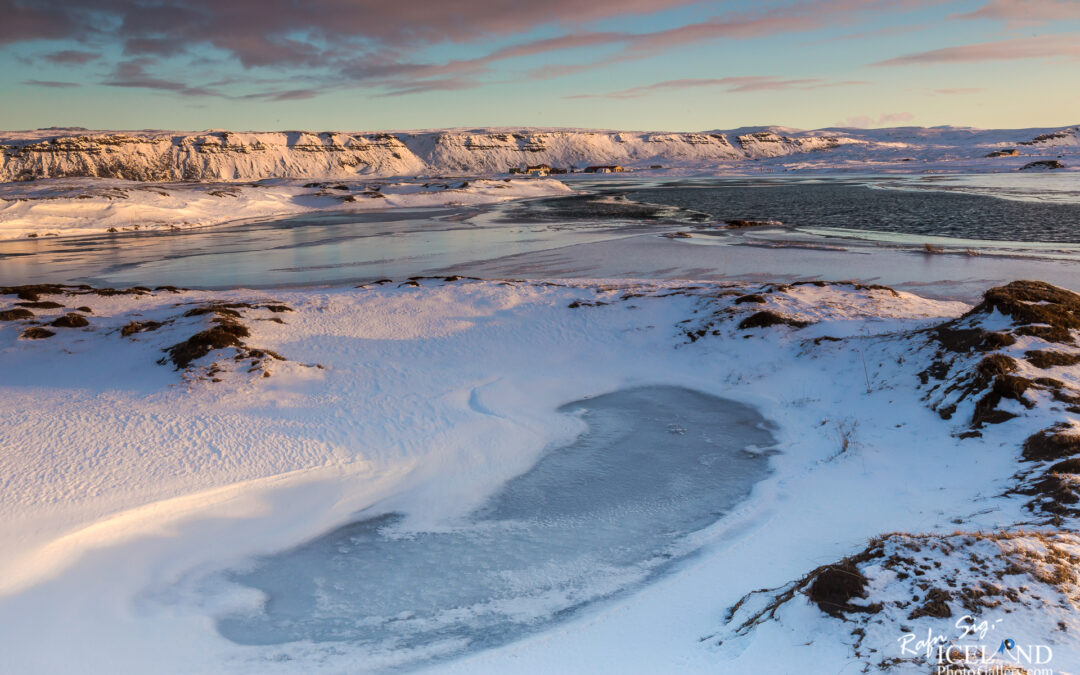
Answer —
625 64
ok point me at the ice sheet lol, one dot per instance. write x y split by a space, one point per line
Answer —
588 520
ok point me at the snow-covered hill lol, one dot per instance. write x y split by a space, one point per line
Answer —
924 478
224 155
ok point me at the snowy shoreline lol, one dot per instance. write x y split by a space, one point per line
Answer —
79 206
131 482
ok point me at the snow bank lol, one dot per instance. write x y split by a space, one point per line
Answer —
74 206
131 482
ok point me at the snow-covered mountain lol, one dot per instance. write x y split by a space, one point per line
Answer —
225 155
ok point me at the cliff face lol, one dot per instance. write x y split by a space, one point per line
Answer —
211 156
224 155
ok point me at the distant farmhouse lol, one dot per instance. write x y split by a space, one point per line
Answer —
544 169
536 170
613 168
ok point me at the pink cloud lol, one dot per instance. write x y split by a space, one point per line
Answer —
1045 47
257 32
1025 12
744 84
865 121
958 90
371 43
895 118
20 22
72 57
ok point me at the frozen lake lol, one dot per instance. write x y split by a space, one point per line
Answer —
590 520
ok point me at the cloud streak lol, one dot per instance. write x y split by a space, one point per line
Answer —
373 44
887 119
1044 47
955 91
735 85
133 74
1019 13
72 57
50 84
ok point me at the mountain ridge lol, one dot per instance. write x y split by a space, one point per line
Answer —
221 155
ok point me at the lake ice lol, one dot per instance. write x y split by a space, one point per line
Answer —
591 519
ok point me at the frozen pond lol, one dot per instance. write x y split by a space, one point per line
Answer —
592 519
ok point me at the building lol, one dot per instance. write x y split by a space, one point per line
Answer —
538 170
613 168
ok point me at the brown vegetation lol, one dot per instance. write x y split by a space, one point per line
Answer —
140 327
1033 302
37 333
71 320
766 318
752 297
16 314
1051 444
936 605
222 334
1048 358
835 586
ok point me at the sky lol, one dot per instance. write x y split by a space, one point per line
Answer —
360 65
